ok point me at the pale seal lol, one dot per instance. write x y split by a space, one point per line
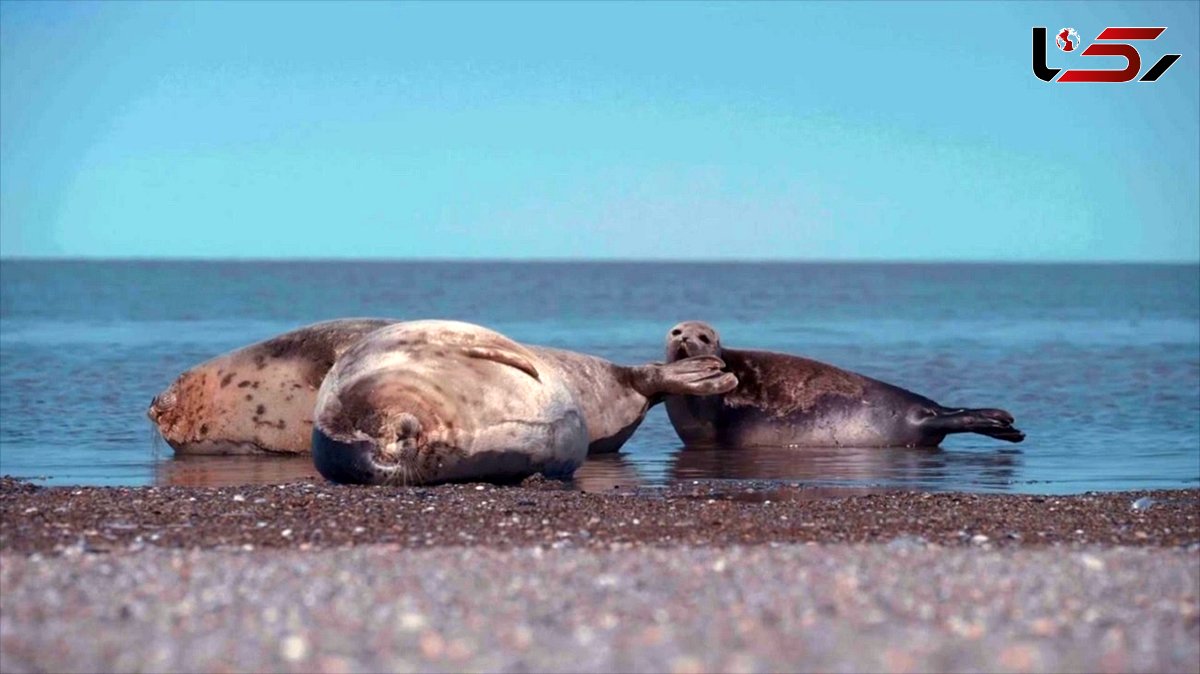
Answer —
424 402
257 399
784 400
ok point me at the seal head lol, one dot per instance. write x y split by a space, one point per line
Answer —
692 338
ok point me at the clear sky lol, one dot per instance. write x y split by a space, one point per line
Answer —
545 130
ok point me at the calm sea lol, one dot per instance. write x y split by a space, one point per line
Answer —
1099 363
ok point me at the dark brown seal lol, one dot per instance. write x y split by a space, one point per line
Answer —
784 400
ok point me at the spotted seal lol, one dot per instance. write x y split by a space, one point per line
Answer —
257 399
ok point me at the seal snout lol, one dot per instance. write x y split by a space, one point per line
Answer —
386 456
398 438
161 404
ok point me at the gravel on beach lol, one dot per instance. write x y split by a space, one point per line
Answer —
310 515
823 607
539 577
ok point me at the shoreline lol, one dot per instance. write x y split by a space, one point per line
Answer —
309 515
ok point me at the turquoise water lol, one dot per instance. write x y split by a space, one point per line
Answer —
1099 363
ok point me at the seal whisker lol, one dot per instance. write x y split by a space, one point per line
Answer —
156 442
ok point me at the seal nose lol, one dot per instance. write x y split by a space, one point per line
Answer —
161 403
355 461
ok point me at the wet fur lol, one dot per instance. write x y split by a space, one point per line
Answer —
785 400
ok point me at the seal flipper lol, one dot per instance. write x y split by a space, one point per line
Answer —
503 356
695 376
990 422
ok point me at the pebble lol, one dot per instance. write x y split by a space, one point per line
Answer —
906 542
1143 503
412 622
687 664
432 645
293 648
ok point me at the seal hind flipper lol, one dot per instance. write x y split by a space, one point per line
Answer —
990 422
504 356
695 376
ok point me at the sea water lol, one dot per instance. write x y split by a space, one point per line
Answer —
1100 364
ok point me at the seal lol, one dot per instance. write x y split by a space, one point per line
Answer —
784 400
425 402
257 399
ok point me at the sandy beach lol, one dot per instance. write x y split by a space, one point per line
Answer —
539 577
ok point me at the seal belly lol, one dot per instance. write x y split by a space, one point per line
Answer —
832 421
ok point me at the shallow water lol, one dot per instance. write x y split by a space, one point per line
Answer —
1099 363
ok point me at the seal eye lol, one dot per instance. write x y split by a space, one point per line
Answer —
677 333
704 338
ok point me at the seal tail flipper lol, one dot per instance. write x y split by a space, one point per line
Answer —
990 422
696 376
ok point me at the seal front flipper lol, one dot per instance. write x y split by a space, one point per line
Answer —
990 422
696 376
503 356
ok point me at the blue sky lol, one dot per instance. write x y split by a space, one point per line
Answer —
656 131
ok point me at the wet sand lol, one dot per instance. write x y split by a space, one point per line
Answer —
696 577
